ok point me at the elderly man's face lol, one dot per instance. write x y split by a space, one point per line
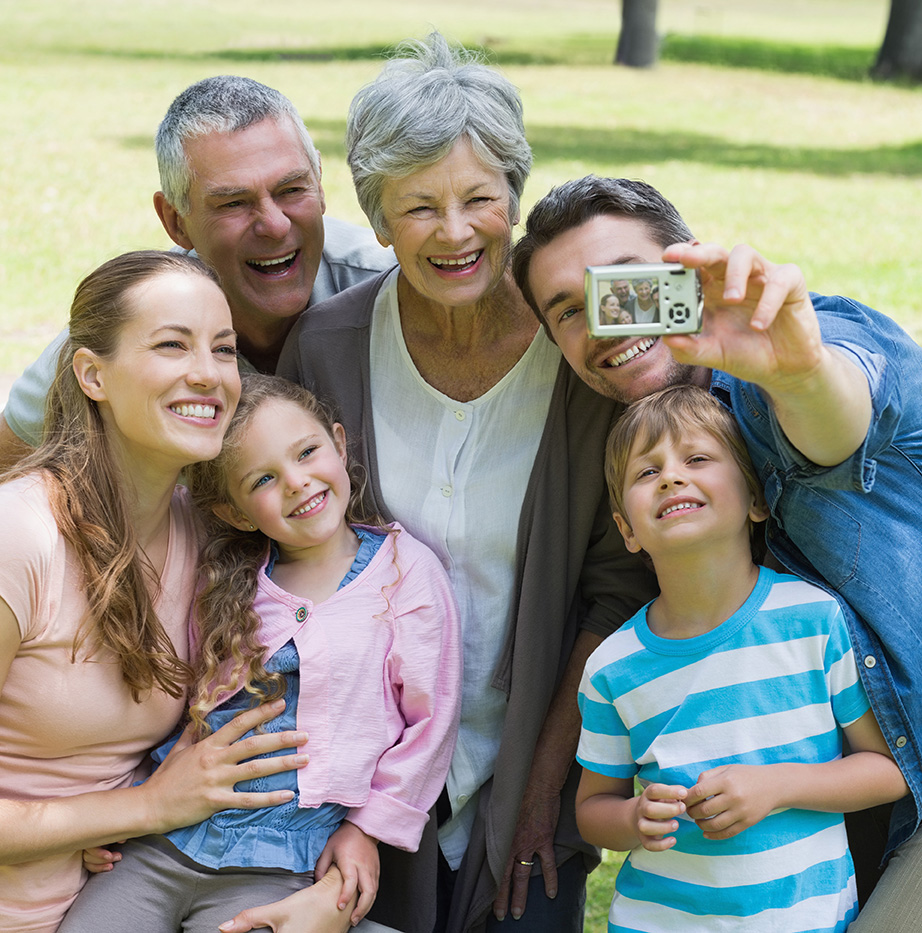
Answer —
626 369
256 216
622 289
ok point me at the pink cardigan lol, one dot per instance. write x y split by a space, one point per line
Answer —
380 687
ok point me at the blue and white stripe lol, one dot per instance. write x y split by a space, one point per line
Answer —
774 683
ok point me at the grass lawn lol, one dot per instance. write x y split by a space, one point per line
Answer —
758 123
824 171
600 889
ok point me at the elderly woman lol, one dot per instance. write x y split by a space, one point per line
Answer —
646 309
480 441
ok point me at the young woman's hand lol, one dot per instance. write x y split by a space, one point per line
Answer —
355 854
197 779
99 858
312 910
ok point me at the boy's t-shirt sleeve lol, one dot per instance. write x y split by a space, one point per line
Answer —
846 691
604 742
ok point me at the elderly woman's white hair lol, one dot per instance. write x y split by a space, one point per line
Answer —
425 99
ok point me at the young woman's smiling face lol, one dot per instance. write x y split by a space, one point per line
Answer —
168 391
289 479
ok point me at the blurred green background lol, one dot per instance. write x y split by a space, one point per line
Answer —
759 123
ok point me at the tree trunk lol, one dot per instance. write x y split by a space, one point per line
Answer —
638 44
900 54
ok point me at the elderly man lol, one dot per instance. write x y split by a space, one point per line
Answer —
240 185
621 289
828 395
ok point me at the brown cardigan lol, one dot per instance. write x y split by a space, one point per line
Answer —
572 572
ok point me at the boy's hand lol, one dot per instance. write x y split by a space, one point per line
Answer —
728 799
355 854
655 815
99 859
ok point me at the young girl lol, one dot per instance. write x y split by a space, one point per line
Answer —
354 625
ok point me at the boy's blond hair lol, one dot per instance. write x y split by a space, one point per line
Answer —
670 412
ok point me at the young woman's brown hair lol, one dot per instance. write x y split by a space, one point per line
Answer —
87 494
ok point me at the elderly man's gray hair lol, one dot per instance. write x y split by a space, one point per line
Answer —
223 104
425 99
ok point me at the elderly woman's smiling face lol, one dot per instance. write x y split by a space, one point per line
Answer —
450 228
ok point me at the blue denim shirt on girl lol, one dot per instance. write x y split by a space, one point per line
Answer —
285 836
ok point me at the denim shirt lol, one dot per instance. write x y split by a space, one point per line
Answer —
854 528
287 836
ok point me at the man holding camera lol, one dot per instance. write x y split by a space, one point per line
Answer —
828 396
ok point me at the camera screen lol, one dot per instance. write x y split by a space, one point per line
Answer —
642 299
630 301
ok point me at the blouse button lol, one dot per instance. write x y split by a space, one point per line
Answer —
460 415
447 491
870 661
901 741
301 614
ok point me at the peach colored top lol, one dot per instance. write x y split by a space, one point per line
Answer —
69 728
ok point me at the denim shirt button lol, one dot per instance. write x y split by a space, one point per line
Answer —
870 661
901 741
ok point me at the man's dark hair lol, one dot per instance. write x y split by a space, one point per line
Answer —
573 203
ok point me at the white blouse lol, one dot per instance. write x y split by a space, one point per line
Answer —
454 474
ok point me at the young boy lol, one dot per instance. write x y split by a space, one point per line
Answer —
727 697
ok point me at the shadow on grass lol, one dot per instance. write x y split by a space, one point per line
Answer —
841 62
845 63
602 146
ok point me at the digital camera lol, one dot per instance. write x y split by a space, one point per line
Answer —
640 299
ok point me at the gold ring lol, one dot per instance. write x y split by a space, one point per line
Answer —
523 862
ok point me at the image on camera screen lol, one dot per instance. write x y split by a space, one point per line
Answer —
630 302
642 298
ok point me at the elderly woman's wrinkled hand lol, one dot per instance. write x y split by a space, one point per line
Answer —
533 841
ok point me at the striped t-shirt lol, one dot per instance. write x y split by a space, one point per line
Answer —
774 683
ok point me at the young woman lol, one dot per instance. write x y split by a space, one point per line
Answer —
97 564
